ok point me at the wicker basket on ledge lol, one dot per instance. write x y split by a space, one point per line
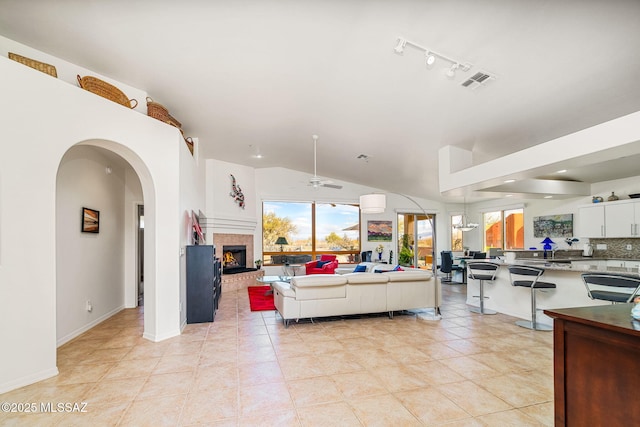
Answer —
36 65
106 90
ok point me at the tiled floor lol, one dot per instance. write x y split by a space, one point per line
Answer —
247 369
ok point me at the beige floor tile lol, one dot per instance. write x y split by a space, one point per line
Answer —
383 410
131 368
337 414
80 374
314 391
210 378
103 415
435 372
469 367
430 406
270 419
167 385
204 407
398 378
515 391
160 411
359 384
105 355
543 413
259 399
512 417
473 399
259 373
296 368
168 364
114 391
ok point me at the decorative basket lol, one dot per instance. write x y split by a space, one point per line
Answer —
157 111
174 122
189 142
106 90
37 65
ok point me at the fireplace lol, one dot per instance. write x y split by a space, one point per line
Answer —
234 259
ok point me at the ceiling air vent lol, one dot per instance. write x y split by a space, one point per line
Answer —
478 79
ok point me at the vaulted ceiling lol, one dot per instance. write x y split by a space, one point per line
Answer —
262 76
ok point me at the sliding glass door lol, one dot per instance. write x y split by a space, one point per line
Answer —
415 240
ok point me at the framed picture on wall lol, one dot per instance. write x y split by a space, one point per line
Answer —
90 220
553 226
379 231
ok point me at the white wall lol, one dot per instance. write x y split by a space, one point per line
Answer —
192 198
90 267
42 118
223 212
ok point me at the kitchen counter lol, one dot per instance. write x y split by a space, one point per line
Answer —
570 289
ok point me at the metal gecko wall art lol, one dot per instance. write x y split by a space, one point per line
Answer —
236 192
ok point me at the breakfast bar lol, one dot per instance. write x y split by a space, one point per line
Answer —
570 290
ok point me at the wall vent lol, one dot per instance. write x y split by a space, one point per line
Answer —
478 79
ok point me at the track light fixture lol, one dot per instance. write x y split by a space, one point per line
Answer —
451 72
431 59
399 49
431 56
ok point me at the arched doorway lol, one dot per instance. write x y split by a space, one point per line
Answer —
97 273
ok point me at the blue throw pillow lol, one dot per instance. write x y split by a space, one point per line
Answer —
319 264
398 268
360 269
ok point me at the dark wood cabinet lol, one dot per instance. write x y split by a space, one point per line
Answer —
203 283
596 375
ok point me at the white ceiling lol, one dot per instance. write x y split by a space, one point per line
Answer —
263 75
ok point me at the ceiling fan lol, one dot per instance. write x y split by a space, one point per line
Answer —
315 181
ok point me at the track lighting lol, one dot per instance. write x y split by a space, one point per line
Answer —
431 56
431 59
399 49
451 72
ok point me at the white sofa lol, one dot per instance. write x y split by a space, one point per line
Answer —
324 295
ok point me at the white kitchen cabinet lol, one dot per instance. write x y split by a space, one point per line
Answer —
622 218
610 219
592 221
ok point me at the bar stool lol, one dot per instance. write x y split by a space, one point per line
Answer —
482 271
604 286
527 277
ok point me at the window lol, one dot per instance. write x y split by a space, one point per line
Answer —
310 229
457 240
504 229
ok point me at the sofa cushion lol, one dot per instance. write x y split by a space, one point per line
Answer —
365 278
408 275
319 286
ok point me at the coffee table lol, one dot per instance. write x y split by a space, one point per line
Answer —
270 280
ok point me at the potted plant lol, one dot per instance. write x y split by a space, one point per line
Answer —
405 257
258 264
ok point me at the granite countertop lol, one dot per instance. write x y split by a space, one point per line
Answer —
564 265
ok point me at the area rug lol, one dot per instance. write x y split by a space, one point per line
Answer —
260 298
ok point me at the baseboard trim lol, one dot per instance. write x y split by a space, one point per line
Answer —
85 328
28 380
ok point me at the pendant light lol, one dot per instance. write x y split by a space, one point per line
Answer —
465 225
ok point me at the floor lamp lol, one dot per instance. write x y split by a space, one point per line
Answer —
376 203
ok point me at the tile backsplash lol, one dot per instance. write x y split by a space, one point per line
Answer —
616 248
